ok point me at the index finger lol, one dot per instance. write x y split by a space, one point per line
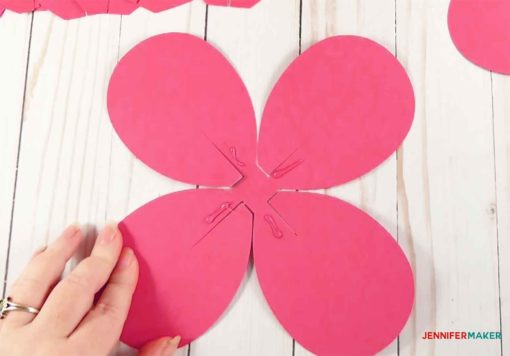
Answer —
41 274
72 298
104 322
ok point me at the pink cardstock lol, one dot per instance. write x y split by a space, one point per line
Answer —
335 278
93 7
19 6
66 9
190 81
160 5
341 285
480 30
322 96
186 259
122 7
71 9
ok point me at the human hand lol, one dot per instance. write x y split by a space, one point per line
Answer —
70 321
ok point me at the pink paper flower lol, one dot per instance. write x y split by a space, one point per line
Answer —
335 279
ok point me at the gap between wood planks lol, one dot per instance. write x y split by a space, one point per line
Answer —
20 136
497 210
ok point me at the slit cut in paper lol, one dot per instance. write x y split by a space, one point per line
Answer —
335 278
480 29
71 9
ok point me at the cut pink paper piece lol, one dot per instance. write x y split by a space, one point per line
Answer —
93 7
71 9
122 7
166 105
183 286
236 3
480 30
66 9
161 5
342 285
338 111
182 109
2 10
19 6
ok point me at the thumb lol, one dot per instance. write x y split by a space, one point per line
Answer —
165 346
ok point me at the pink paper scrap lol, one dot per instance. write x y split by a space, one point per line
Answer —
71 9
480 30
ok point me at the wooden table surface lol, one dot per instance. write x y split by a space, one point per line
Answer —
445 195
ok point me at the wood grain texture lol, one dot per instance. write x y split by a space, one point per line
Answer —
375 192
445 195
14 43
446 190
501 111
260 43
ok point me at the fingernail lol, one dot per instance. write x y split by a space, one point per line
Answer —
171 346
108 234
126 258
175 341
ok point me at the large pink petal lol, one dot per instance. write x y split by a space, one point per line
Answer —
481 31
193 254
341 285
181 108
234 3
337 112
66 9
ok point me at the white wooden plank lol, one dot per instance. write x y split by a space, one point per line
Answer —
447 220
501 100
73 167
375 192
61 176
260 43
14 43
